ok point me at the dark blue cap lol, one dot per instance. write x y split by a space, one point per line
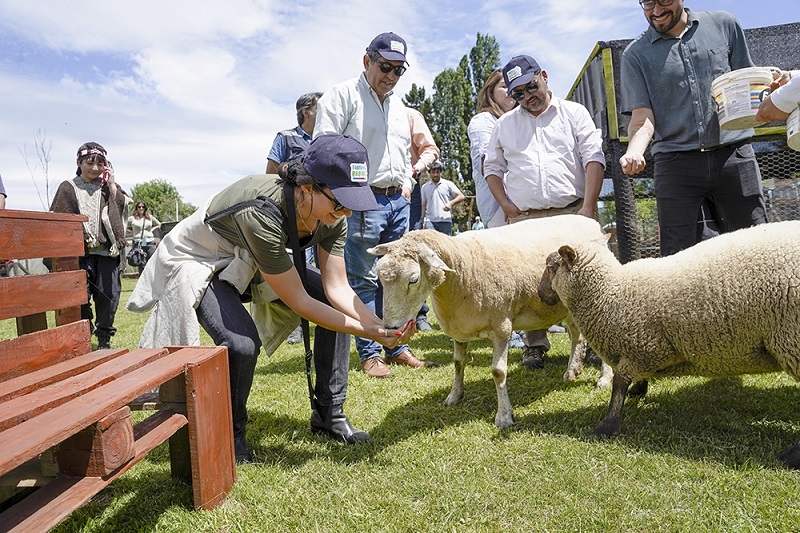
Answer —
520 71
390 46
341 163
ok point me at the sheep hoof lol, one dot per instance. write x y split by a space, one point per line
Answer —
504 422
604 382
791 457
606 429
453 398
569 375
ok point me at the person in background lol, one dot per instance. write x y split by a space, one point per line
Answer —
784 98
292 144
2 194
367 108
666 77
423 154
238 247
545 158
94 192
140 226
493 101
477 224
439 196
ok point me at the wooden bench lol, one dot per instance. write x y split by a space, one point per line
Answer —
57 394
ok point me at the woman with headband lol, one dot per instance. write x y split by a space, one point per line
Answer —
94 192
234 249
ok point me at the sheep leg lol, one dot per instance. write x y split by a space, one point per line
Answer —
459 361
505 413
611 423
577 353
791 457
606 375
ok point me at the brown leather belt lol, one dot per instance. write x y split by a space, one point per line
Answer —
388 191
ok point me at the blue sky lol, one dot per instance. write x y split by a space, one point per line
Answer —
194 92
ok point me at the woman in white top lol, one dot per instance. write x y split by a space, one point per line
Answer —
141 219
493 101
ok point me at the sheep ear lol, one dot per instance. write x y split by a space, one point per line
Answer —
568 255
380 250
603 239
430 257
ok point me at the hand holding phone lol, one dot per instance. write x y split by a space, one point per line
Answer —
108 171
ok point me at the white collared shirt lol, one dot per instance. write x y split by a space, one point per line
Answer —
353 108
544 158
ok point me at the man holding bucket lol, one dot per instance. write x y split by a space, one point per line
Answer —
666 88
782 104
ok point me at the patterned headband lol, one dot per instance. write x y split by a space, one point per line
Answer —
91 151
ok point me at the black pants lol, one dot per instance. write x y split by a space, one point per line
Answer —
104 287
226 319
726 179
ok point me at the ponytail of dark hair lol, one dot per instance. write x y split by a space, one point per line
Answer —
294 173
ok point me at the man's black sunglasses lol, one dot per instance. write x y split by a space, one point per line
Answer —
388 67
531 88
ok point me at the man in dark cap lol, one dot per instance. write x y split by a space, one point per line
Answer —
367 109
551 155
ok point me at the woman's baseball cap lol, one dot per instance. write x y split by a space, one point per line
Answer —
341 163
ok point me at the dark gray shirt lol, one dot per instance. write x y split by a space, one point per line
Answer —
672 77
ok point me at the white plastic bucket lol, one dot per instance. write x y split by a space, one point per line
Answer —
739 94
793 129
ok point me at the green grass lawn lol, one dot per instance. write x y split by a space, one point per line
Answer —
694 455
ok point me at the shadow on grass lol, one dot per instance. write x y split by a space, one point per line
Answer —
721 420
131 503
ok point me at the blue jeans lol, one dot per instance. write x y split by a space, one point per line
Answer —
366 229
445 227
727 178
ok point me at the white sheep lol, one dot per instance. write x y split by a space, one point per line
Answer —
726 306
482 284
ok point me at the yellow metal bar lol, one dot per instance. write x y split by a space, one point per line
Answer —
611 94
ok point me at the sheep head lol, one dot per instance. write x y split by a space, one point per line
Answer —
564 258
409 271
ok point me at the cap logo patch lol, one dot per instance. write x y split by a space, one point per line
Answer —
397 46
358 172
514 73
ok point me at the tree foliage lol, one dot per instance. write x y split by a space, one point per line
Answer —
452 105
484 58
162 198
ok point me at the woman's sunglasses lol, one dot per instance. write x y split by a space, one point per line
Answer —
336 205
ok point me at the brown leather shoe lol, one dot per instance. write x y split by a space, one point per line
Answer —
407 358
374 367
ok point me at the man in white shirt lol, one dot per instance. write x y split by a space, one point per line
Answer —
551 155
439 195
367 109
783 99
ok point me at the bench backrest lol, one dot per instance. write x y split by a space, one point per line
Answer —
31 235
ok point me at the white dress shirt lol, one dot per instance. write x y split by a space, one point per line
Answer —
544 158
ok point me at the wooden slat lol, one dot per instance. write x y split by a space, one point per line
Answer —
26 295
37 350
67 384
33 234
33 436
45 508
31 381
